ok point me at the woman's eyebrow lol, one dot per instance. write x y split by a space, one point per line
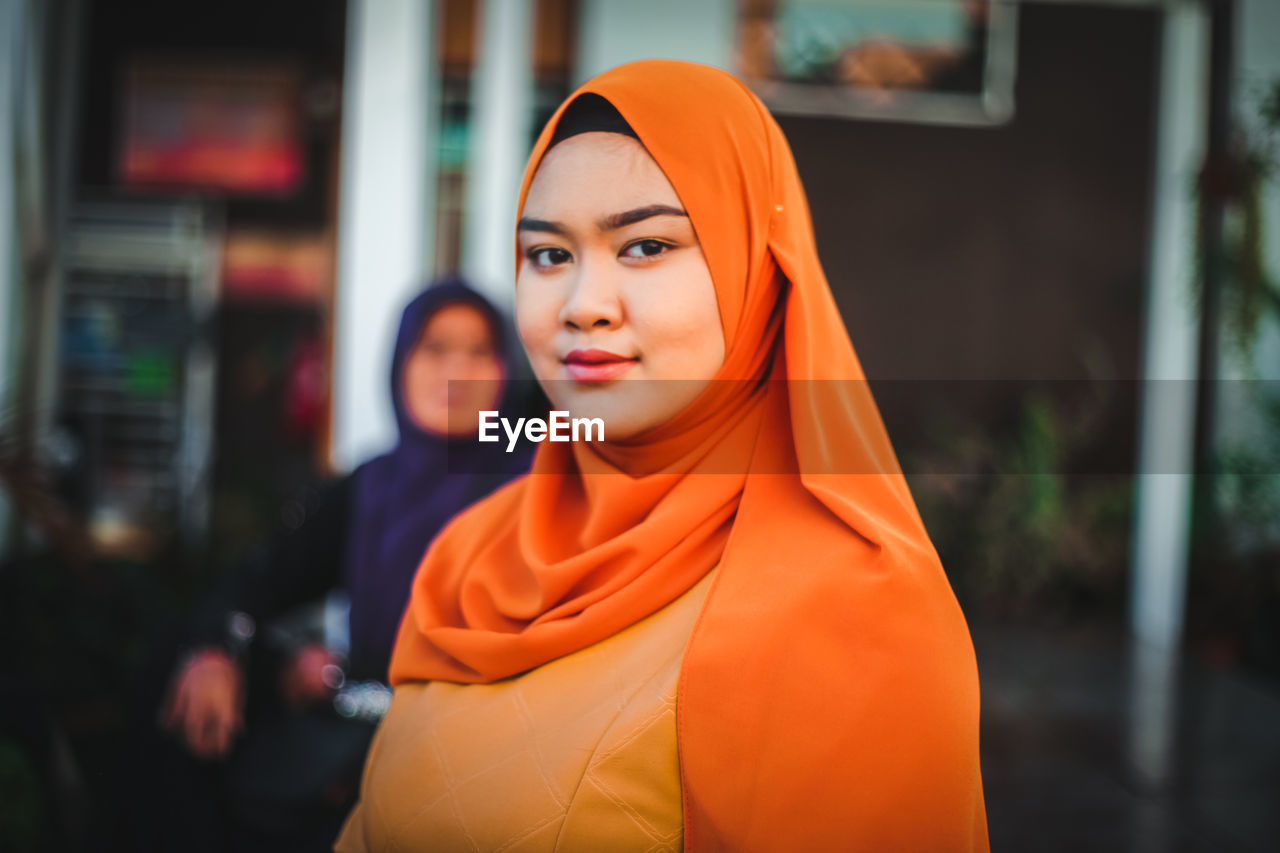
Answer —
630 217
612 222
529 224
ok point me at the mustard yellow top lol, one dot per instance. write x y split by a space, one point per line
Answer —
576 755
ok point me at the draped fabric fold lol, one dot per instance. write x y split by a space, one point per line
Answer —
829 694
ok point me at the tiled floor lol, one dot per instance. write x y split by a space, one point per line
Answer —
1092 745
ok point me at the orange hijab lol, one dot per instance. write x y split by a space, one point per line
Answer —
828 698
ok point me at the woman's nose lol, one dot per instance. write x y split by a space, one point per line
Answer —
595 301
455 364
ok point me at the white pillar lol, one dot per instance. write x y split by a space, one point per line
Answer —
1167 426
501 112
386 209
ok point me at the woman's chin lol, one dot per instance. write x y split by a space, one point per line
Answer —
627 408
622 418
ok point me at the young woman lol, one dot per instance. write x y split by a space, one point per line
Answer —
724 627
279 754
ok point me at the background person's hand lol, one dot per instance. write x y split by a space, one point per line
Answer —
205 706
310 678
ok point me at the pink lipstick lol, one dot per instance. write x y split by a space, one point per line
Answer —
596 365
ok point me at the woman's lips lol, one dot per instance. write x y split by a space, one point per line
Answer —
596 365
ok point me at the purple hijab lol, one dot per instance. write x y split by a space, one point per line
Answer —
403 498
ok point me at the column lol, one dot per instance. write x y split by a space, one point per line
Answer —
1165 457
500 133
386 209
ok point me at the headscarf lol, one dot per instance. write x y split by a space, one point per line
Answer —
828 697
403 498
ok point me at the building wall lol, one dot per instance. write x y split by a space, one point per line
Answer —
1008 253
616 31
1004 252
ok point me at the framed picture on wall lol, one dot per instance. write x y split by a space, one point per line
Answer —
212 127
936 61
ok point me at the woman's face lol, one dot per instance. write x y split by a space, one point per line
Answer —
455 343
612 286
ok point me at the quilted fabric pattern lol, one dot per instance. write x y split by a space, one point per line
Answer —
577 755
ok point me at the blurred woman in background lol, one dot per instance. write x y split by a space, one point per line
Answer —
724 627
286 778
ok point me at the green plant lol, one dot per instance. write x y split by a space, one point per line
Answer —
1235 184
22 807
1019 534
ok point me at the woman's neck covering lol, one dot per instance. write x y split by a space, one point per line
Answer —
829 695
403 498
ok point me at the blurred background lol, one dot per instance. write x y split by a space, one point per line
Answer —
1053 229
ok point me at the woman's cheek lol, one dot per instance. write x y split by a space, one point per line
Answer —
538 339
669 328
530 324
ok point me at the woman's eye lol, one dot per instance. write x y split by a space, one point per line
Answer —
548 257
645 249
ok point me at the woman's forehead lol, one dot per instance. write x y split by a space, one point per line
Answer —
457 319
597 169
